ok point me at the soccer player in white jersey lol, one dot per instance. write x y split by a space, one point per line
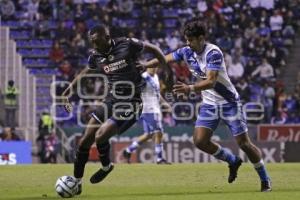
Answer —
220 101
151 117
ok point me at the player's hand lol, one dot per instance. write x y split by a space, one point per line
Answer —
181 88
67 105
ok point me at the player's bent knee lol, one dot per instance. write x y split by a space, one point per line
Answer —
200 143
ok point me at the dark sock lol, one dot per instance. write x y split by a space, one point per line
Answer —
103 150
81 158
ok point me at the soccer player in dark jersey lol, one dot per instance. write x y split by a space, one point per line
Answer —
117 59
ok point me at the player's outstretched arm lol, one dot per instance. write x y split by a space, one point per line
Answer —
154 62
161 59
67 104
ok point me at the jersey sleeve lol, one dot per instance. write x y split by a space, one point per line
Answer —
144 75
179 54
214 60
92 62
136 45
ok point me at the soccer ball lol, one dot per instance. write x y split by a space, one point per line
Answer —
66 186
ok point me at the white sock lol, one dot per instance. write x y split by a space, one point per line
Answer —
106 168
259 164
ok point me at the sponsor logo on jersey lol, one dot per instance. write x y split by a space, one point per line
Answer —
115 66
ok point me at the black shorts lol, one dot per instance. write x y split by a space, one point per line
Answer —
123 113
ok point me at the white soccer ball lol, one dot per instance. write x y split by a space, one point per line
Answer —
66 186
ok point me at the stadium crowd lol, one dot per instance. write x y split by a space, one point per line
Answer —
255 35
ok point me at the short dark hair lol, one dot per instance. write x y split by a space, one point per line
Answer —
194 28
99 28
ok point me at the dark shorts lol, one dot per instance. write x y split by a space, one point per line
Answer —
123 113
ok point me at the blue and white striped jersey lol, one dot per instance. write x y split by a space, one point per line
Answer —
210 59
151 94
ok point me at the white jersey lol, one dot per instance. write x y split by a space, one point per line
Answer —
210 59
151 94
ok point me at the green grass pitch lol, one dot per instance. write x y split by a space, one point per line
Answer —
152 182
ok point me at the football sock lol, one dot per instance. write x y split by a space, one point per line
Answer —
261 170
103 150
134 145
225 155
106 168
159 151
81 158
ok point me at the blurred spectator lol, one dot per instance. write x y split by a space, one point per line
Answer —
92 10
269 4
45 128
276 21
7 10
41 28
225 42
202 6
51 149
279 118
45 9
268 101
56 53
264 70
235 70
11 104
173 40
66 71
63 34
125 7
290 104
250 31
263 30
263 18
32 9
185 11
45 123
290 20
8 134
111 8
293 118
79 43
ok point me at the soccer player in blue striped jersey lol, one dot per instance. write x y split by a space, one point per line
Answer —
220 101
151 117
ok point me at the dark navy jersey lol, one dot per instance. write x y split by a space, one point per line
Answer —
120 65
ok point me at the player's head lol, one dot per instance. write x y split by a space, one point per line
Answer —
99 36
194 32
